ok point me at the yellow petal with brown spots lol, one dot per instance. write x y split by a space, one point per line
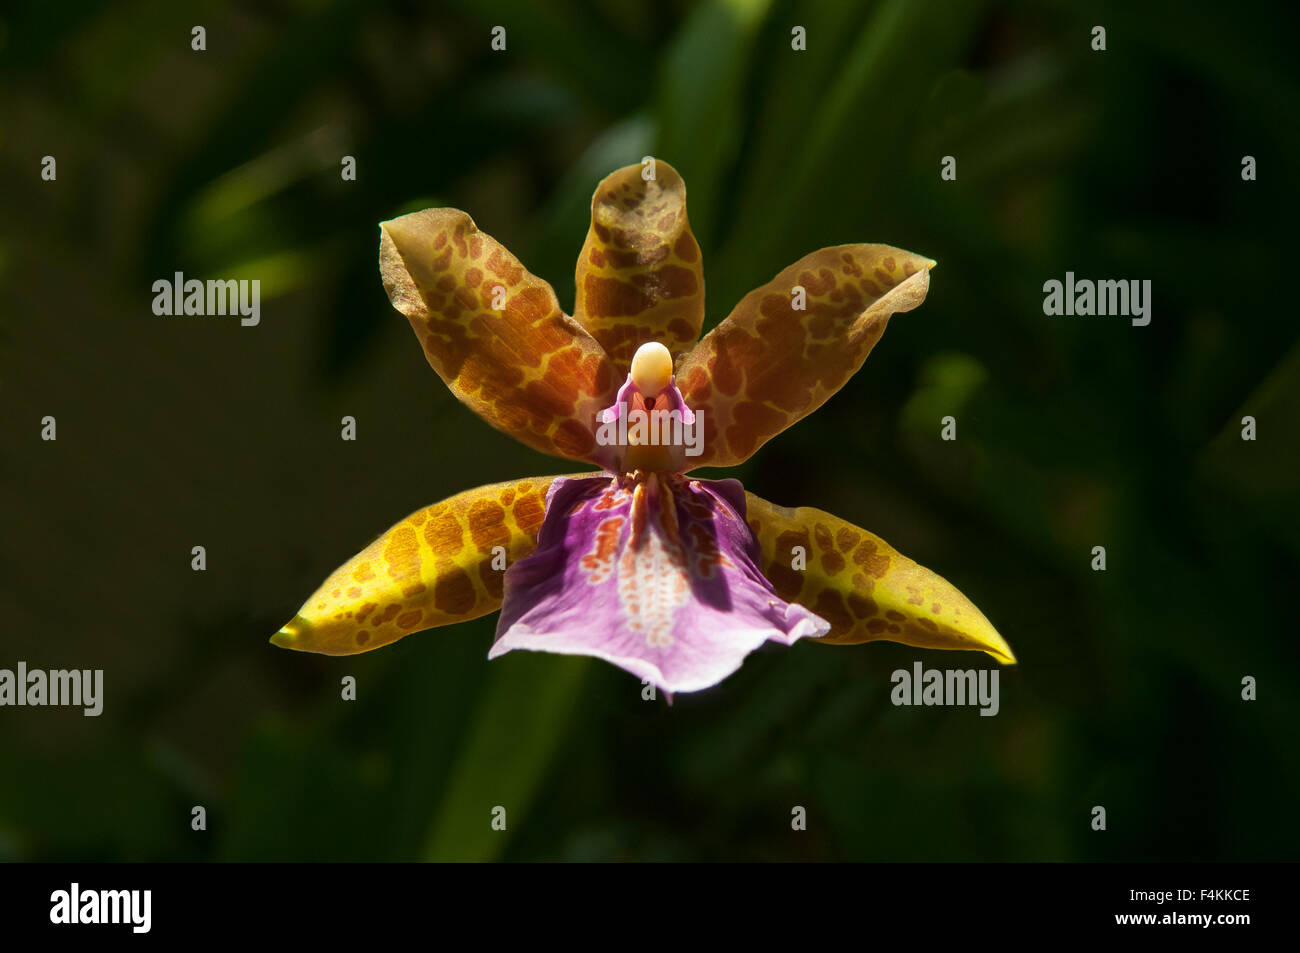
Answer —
772 362
434 567
862 586
495 333
640 275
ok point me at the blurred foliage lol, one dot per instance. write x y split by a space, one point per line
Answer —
1072 432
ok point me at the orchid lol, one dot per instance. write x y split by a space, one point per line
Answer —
673 578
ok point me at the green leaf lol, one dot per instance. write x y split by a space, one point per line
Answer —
523 713
701 100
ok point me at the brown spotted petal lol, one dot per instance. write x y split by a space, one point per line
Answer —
439 565
639 276
862 586
770 363
495 333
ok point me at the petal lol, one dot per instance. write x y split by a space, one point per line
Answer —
659 577
768 364
528 368
434 567
640 276
863 586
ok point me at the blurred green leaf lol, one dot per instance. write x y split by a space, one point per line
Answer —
701 90
517 727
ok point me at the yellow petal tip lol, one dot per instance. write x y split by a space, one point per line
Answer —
1002 653
289 635
988 640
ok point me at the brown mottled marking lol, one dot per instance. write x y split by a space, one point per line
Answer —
409 620
871 597
639 275
830 606
528 512
748 418
402 554
528 369
768 356
686 249
875 563
454 592
487 525
453 574
493 579
787 580
825 544
832 561
443 532
862 606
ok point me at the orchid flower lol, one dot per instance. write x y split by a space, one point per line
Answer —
673 578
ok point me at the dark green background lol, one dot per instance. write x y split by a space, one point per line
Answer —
1072 432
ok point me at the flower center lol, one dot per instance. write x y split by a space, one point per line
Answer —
649 425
